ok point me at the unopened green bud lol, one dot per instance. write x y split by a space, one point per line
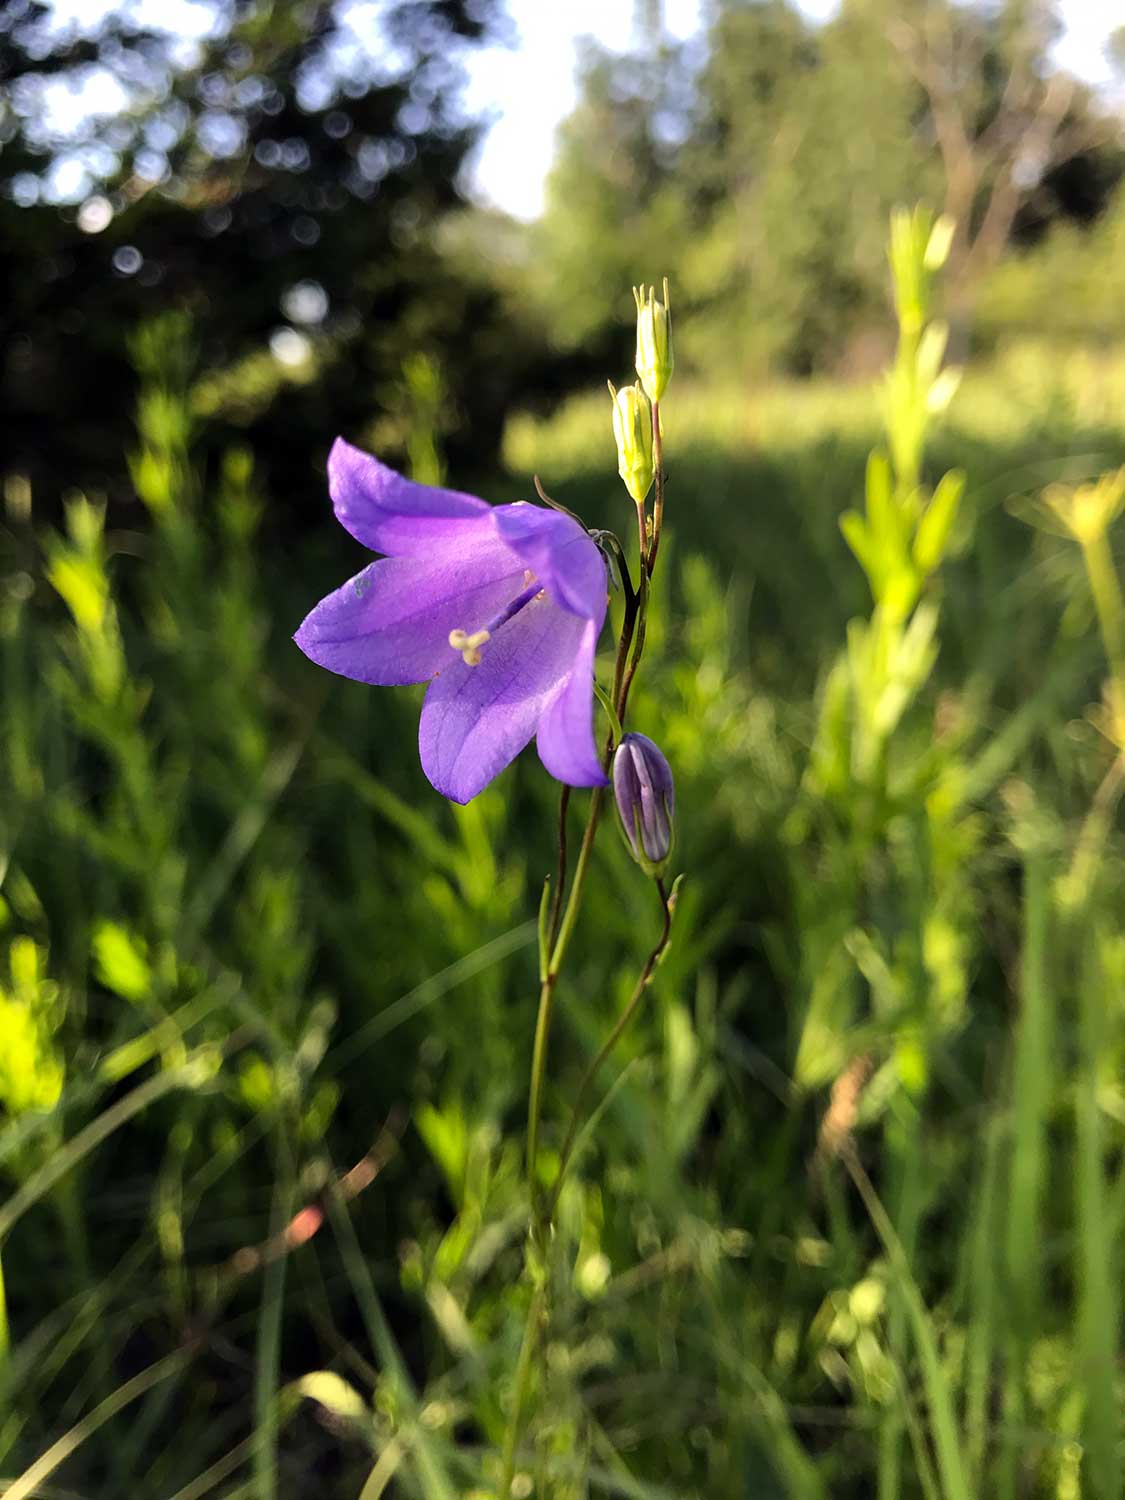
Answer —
654 341
632 427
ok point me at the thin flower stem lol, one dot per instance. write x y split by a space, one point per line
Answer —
611 713
546 1007
1091 839
574 900
560 877
4 1335
658 503
540 1215
560 928
535 1093
638 648
606 1049
609 539
642 537
628 627
563 917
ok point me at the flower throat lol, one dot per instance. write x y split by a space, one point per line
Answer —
469 644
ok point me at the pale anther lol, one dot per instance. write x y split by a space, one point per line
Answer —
469 645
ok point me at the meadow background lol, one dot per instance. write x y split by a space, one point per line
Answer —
851 1220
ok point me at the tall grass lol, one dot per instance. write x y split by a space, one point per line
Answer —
850 1221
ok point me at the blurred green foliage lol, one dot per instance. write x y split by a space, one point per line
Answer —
849 1222
274 999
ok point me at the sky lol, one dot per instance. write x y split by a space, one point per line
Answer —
531 89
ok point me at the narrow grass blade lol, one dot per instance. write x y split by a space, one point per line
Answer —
1098 1312
943 1421
31 1480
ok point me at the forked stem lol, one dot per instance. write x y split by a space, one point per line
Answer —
606 1049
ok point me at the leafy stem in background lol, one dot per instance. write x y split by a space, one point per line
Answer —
1106 589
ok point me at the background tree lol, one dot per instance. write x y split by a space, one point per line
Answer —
613 194
284 178
761 167
1013 132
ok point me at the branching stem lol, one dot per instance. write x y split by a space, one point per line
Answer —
606 1049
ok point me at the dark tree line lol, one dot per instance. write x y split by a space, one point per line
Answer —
284 177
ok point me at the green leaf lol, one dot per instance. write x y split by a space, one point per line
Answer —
932 537
858 538
880 497
120 962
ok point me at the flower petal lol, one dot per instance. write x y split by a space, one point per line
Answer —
565 740
560 554
390 624
394 515
476 720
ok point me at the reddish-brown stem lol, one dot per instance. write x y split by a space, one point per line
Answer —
560 877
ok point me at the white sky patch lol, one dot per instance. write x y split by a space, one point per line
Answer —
67 103
94 91
529 89
1089 24
186 18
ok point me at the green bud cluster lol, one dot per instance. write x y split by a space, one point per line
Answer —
635 426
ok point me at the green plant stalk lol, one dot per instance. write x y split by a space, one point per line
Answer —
546 1006
947 1441
1091 839
1098 1310
982 1319
540 1218
531 1328
1006 1473
267 1361
5 1339
610 712
905 1160
1106 590
638 649
560 931
923 1466
632 633
435 1484
560 875
31 1480
1032 1091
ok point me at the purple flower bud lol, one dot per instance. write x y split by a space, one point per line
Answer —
646 798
